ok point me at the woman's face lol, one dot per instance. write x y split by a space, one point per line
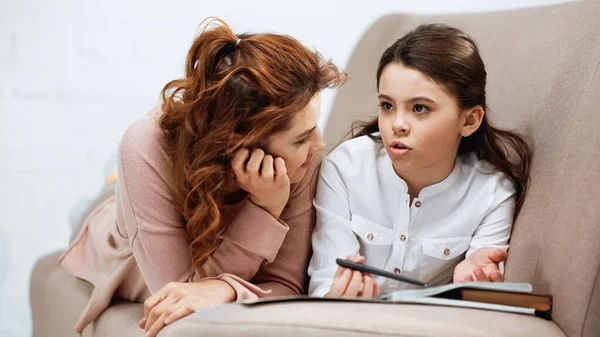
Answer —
301 143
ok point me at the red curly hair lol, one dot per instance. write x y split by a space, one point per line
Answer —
238 91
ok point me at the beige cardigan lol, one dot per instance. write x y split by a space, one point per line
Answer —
135 242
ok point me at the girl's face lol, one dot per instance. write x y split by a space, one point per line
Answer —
420 122
299 145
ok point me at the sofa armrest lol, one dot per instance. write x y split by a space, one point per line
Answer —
58 298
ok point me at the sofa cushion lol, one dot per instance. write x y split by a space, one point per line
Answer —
357 319
58 298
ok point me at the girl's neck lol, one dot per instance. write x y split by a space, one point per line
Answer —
417 180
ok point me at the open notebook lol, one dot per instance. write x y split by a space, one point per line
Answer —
498 296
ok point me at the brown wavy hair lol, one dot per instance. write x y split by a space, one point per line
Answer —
238 91
451 58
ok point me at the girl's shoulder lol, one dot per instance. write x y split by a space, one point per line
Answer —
485 175
353 160
355 150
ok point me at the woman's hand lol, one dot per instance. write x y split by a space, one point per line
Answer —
264 178
177 300
482 265
349 283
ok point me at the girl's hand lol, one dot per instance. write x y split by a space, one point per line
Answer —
264 178
177 300
349 283
482 265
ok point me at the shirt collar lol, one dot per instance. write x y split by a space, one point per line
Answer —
443 185
428 191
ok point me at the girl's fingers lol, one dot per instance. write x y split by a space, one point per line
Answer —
357 259
496 276
340 283
368 286
338 273
479 275
498 255
355 285
340 270
376 291
468 278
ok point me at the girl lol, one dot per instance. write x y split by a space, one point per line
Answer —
426 183
213 199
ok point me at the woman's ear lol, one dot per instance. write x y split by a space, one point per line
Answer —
472 119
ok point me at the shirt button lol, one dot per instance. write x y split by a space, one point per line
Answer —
370 236
397 271
418 203
446 251
402 237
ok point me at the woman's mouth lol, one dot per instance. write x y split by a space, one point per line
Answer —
306 164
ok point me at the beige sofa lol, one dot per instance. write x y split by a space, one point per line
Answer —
544 79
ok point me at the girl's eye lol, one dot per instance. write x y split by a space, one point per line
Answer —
420 109
386 106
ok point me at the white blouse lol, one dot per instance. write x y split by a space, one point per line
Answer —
363 207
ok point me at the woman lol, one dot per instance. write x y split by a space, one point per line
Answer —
215 187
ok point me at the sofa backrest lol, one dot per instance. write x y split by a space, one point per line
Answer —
544 81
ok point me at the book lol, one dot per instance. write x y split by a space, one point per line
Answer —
498 296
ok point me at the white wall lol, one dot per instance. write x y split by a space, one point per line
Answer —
75 73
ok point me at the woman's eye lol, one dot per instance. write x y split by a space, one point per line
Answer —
303 141
385 106
419 108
